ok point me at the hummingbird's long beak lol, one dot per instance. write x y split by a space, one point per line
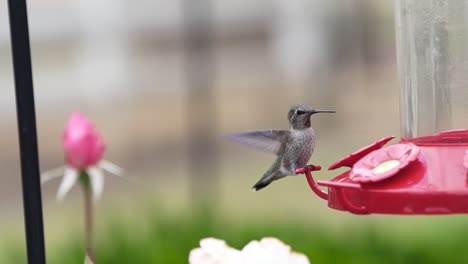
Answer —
315 111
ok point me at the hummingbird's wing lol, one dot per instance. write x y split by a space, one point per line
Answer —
265 140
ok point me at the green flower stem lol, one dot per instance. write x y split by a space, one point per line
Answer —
88 214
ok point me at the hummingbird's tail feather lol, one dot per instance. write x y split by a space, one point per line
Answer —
260 185
265 181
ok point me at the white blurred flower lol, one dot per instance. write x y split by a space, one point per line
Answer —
214 251
265 251
271 250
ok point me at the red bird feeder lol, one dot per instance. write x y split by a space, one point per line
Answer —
426 172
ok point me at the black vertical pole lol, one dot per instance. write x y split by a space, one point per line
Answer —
27 131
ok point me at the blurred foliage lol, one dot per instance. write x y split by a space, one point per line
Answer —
170 237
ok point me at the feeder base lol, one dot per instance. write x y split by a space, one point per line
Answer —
435 183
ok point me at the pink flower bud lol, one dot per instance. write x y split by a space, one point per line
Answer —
83 144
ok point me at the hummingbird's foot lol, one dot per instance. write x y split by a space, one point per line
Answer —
308 168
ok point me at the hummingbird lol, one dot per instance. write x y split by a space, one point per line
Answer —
293 147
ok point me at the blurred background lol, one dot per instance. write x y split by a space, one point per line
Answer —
164 81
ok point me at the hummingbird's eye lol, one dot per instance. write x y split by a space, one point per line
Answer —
300 112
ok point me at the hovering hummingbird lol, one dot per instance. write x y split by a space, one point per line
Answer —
294 147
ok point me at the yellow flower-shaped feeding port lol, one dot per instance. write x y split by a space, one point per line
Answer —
465 160
384 163
386 166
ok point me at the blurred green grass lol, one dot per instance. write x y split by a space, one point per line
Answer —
168 237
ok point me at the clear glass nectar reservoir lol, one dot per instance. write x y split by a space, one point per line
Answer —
432 54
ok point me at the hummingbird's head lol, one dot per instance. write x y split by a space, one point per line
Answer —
299 115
